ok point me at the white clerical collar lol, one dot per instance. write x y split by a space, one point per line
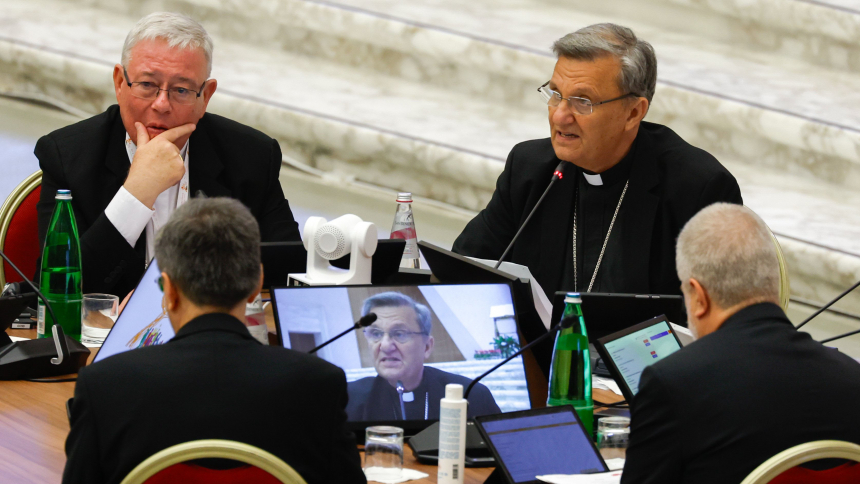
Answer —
593 179
408 396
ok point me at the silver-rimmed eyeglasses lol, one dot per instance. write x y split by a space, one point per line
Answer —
402 336
579 104
150 90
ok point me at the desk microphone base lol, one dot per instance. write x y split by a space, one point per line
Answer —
24 360
425 446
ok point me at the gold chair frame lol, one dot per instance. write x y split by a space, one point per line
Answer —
10 206
784 284
799 454
214 448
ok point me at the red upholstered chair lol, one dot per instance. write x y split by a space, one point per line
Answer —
19 229
171 465
782 468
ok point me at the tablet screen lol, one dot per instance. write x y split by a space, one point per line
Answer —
143 322
633 352
541 442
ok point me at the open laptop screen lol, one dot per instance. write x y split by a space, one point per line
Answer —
143 322
541 442
466 330
632 350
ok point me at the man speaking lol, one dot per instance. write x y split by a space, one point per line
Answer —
131 166
399 342
610 223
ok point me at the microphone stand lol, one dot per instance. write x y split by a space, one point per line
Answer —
840 336
564 324
831 303
363 322
556 175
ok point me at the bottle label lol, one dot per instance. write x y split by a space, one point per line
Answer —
40 325
404 228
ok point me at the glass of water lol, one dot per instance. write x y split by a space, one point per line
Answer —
98 314
383 453
613 434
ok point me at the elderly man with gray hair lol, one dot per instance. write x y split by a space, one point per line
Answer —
131 166
213 380
400 340
610 223
751 386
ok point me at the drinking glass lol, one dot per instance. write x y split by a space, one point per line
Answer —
98 313
613 434
383 453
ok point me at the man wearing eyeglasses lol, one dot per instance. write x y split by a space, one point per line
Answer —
400 341
609 225
130 167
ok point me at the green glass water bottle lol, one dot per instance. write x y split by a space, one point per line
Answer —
60 280
570 372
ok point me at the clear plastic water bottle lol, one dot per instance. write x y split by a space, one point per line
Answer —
404 228
255 320
60 280
570 371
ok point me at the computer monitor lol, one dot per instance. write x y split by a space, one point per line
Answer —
143 322
627 353
472 328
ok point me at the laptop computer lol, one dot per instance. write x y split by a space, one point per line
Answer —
143 322
280 259
627 353
474 326
538 442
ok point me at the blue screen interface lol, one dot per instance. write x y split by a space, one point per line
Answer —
552 443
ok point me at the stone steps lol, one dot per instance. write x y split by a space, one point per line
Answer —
430 96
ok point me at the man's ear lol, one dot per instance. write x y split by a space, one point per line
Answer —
428 347
208 91
637 113
259 288
118 79
171 294
701 303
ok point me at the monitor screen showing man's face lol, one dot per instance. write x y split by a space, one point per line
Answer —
398 345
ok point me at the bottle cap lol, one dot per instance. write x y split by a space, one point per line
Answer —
573 298
404 197
63 194
453 391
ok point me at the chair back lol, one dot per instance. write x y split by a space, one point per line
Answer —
788 460
19 229
169 465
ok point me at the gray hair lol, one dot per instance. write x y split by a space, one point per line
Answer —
638 63
396 299
180 31
729 250
210 248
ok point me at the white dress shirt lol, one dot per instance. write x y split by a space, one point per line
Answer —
131 217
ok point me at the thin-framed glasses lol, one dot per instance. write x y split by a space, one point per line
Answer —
402 336
579 104
150 90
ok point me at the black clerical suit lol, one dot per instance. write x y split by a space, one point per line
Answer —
715 410
227 159
669 182
213 380
373 398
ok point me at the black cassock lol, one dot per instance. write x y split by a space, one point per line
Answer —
373 398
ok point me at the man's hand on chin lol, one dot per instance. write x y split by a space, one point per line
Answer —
157 163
